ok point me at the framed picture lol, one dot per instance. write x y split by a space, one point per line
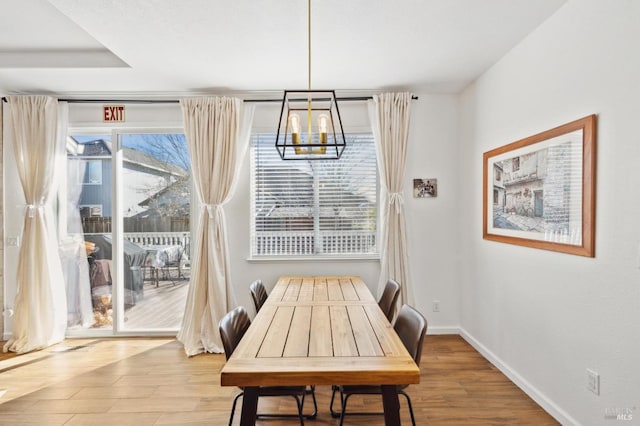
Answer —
425 188
540 191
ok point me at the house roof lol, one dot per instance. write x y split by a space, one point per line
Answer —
143 159
100 147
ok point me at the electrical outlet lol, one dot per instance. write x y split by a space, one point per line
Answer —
436 306
593 381
13 241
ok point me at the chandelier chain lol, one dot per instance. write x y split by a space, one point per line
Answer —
309 40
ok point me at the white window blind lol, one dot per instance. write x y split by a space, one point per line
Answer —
320 207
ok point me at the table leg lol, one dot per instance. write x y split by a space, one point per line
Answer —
391 405
250 406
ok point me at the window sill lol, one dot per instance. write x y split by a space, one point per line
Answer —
337 258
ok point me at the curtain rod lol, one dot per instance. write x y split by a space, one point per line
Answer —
174 101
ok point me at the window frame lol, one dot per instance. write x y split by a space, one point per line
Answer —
253 257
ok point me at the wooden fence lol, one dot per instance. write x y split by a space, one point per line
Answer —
101 225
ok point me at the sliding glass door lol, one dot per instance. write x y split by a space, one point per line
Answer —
155 193
128 201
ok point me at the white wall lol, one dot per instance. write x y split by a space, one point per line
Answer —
543 316
432 226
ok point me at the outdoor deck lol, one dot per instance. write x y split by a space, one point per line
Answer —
161 308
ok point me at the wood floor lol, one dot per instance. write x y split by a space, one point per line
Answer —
149 381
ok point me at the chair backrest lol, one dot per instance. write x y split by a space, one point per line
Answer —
411 327
232 327
389 298
258 294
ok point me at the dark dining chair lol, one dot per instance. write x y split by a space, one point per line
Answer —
411 327
232 328
258 294
389 298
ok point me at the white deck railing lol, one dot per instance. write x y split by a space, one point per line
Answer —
160 238
277 242
304 242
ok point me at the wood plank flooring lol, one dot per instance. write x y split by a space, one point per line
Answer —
149 381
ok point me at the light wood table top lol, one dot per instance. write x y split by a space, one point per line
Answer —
321 330
320 290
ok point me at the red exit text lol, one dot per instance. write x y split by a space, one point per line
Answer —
113 113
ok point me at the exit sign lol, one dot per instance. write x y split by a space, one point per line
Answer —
113 113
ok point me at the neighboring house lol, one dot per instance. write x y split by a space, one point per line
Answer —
90 177
276 200
174 200
290 204
146 177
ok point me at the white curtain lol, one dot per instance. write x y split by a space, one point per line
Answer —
40 305
73 253
217 131
390 114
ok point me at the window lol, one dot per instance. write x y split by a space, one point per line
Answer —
516 164
90 210
321 207
92 172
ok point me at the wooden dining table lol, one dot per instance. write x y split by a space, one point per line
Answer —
320 330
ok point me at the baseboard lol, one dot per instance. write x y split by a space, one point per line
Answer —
541 399
443 330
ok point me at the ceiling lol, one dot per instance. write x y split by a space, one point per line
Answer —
78 47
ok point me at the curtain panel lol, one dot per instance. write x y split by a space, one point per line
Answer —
217 131
390 117
73 253
40 303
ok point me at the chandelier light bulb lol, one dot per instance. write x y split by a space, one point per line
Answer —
323 124
294 122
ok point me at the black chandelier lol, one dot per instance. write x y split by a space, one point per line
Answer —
310 127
